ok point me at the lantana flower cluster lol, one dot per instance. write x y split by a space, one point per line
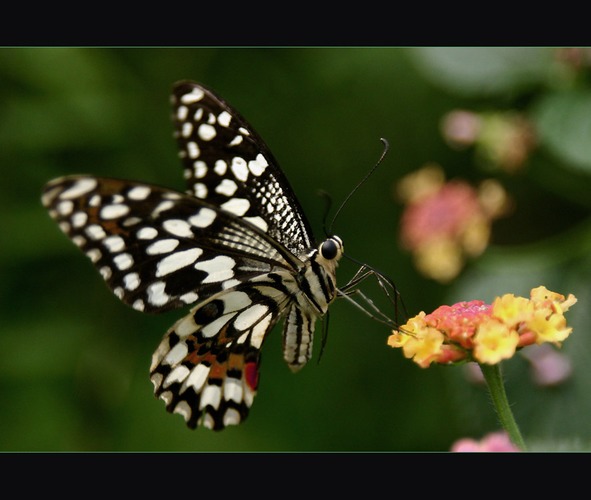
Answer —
485 333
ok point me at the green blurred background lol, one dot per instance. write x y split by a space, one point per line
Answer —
74 360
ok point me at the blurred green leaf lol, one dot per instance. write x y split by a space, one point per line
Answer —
485 71
563 123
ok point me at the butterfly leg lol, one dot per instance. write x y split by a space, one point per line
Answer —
366 304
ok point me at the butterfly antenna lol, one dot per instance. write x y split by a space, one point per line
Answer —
346 200
328 201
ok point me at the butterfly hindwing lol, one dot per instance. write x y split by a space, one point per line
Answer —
207 365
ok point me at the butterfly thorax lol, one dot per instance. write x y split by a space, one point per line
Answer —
315 288
317 279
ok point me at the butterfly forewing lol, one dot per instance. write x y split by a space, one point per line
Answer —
158 249
236 246
227 164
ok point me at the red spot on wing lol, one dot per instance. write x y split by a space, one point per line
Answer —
251 374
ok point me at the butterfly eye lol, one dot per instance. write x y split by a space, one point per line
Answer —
329 249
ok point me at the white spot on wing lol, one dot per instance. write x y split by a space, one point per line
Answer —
156 294
78 240
65 207
147 233
138 193
219 268
227 187
183 408
162 206
177 260
81 187
193 150
230 283
189 297
114 211
258 222
250 316
206 132
94 254
185 326
207 421
79 219
182 113
187 129
232 390
197 378
224 118
200 190
211 395
95 232
220 167
114 243
123 261
239 168
213 328
162 246
178 227
178 374
231 417
131 281
203 218
200 169
258 166
237 140
237 206
176 354
259 332
195 95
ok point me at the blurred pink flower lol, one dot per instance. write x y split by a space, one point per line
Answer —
493 442
445 222
549 367
501 139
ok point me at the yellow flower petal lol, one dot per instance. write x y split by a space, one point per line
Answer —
494 341
552 301
424 350
551 329
512 310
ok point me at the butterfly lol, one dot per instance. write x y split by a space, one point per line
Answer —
236 247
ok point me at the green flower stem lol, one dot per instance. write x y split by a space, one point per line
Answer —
496 387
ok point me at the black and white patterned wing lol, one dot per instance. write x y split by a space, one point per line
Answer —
227 164
159 249
207 366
